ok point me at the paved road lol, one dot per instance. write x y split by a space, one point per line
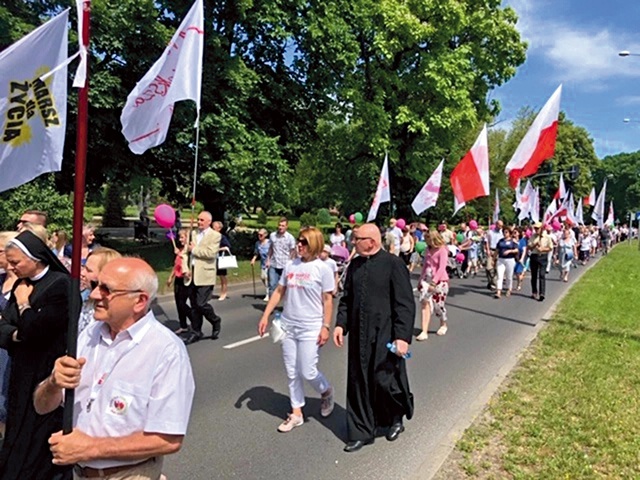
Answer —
241 393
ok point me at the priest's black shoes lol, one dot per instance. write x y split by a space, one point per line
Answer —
193 337
357 445
394 431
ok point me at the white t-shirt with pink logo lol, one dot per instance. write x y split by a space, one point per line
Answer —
305 283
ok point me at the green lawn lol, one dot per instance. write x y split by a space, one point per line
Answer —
570 409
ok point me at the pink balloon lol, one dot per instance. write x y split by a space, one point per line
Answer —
460 257
165 215
556 225
400 223
528 233
473 225
352 219
492 226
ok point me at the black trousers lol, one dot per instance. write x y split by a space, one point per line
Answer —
538 265
200 307
181 295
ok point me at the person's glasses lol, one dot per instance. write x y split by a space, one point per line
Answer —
105 291
358 239
303 241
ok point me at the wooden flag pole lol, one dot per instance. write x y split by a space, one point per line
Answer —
78 219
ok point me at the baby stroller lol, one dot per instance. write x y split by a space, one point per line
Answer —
341 256
454 261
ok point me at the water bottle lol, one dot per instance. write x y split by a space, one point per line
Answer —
393 349
278 316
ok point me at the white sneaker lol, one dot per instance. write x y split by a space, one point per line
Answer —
423 336
442 330
290 423
327 403
266 298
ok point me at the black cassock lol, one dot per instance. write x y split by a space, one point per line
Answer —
42 330
377 307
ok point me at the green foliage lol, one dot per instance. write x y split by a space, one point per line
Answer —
622 172
323 216
39 194
262 218
114 208
308 220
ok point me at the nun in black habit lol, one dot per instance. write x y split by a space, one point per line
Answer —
377 308
33 329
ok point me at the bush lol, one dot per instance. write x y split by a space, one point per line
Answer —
114 208
39 194
242 243
323 216
280 210
308 220
262 218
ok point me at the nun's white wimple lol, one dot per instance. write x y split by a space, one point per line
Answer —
24 249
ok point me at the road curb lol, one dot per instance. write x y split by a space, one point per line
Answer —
438 457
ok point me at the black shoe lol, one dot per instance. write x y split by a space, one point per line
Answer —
541 299
193 337
215 335
357 445
394 431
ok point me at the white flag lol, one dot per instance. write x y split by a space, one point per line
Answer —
33 113
526 201
383 192
428 196
176 75
534 209
598 209
579 214
496 207
80 79
610 217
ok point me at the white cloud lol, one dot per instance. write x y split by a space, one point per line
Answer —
628 100
583 55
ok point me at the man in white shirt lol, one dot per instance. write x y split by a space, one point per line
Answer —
133 380
281 250
397 237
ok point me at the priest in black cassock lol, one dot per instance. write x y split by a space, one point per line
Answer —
377 308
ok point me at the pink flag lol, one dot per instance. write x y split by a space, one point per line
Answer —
383 192
550 212
428 195
470 178
562 191
591 198
176 75
538 144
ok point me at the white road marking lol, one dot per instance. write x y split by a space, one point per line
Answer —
244 342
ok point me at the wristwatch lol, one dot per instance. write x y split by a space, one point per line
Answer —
22 307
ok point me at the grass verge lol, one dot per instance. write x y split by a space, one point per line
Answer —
570 409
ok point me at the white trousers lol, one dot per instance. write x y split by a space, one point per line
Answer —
301 352
505 267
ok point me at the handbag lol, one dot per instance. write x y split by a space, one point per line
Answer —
226 260
277 331
568 256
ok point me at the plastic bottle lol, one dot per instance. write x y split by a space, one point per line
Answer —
393 349
278 316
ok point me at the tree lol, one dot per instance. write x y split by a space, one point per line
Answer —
622 172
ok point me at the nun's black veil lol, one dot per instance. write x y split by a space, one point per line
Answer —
39 250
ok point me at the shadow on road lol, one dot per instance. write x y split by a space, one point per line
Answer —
276 404
492 315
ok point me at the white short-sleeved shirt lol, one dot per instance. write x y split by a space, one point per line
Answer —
147 383
336 239
331 263
305 283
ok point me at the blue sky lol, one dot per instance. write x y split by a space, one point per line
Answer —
576 43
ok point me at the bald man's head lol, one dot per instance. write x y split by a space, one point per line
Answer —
368 239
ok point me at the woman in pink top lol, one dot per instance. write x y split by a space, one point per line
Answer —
434 284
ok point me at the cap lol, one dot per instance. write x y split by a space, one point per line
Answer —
537 225
327 248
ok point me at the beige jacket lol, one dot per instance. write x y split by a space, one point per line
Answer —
204 257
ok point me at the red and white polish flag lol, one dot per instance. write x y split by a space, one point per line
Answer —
428 195
470 178
562 191
538 144
176 76
591 198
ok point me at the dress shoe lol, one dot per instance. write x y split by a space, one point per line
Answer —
541 298
394 431
357 445
192 338
215 335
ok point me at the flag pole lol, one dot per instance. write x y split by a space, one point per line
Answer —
78 218
195 176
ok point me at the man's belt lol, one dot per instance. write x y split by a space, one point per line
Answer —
89 472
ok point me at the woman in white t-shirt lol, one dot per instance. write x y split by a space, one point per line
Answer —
337 237
307 286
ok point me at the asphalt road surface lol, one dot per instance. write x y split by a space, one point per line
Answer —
241 390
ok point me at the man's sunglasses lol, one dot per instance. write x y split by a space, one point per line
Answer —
105 291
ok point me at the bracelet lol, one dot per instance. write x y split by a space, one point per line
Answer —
327 326
22 307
